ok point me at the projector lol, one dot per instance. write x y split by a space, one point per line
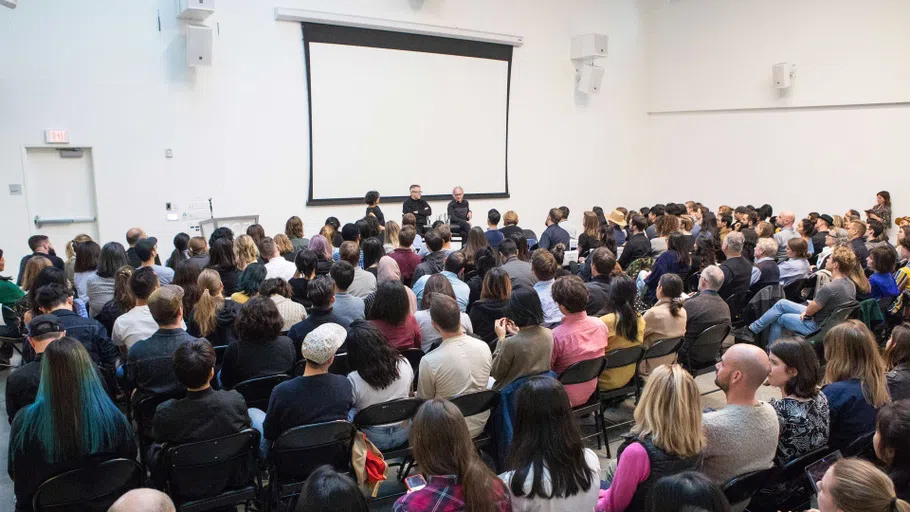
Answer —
9 3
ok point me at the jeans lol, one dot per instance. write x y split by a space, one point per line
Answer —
388 438
257 418
784 315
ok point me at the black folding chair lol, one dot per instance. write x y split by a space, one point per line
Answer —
414 355
737 304
471 404
793 471
257 391
395 411
692 282
620 358
299 368
219 355
143 412
741 488
206 475
340 366
704 352
861 447
661 348
93 488
300 450
580 373
794 291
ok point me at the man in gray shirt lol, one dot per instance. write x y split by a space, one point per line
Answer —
364 282
147 252
785 221
346 305
742 437
519 271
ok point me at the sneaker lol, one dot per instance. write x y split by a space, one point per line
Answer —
744 334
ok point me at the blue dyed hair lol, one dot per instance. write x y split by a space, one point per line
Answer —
72 415
251 279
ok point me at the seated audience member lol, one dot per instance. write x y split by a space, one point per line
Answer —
454 265
837 237
510 225
246 247
881 261
321 292
475 247
100 286
666 439
250 281
409 219
54 299
550 466
460 365
372 253
855 485
213 316
742 437
528 349
544 267
277 265
637 244
51 435
786 221
122 302
181 250
705 309
392 316
137 323
892 444
346 306
364 282
316 396
857 230
492 305
688 491
765 271
457 478
22 384
588 239
875 236
578 338
519 271
617 223
796 266
388 270
626 328
897 361
804 229
256 232
666 319
724 225
306 262
823 225
186 276
553 234
260 349
602 264
653 215
149 366
405 256
88 254
854 383
221 260
675 260
434 261
327 489
565 224
147 252
379 374
143 500
390 234
199 252
802 319
666 225
372 201
737 270
436 284
493 234
322 248
280 292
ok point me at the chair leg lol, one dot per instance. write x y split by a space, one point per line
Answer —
603 431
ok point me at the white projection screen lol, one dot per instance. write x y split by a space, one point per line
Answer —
388 110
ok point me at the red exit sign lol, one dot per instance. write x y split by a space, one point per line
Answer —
57 137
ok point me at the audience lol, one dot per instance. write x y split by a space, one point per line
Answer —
346 306
329 490
854 382
737 270
637 244
306 262
666 319
293 229
854 485
675 260
277 266
454 264
137 323
322 248
181 250
146 250
602 263
22 384
221 260
460 365
41 246
492 305
666 439
510 225
892 444
765 271
519 270
554 234
493 235
405 256
249 282
897 361
213 316
391 314
260 349
186 276
122 302
199 253
881 261
34 266
544 267
434 261
321 293
796 266
705 309
88 255
143 500
588 239
689 491
280 292
857 230
364 283
626 328
436 284
372 253
524 346
578 338
550 467
388 270
786 222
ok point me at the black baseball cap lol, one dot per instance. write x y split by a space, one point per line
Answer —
44 324
827 218
144 248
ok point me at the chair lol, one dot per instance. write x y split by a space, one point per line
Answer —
704 351
340 366
841 315
620 358
792 472
212 474
298 369
394 411
219 355
144 414
471 404
737 304
794 291
300 450
741 488
692 282
662 348
89 489
257 391
860 447
580 373
413 355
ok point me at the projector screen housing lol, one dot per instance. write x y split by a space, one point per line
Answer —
388 109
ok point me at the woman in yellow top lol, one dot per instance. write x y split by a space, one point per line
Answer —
626 329
250 281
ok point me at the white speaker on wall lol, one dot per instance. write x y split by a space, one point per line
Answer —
589 78
588 46
196 10
198 46
783 73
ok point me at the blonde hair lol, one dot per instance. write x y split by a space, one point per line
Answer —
670 412
71 245
32 269
245 251
283 243
210 301
851 353
859 486
838 221
764 229
510 218
392 230
686 222
849 265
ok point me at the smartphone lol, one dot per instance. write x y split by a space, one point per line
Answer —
817 469
418 482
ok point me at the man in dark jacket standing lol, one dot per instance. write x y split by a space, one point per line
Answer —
637 245
417 206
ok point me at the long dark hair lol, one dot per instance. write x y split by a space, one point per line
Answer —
797 353
437 283
113 256
894 441
622 302
88 255
672 287
524 307
689 490
607 237
477 242
186 276
521 243
709 226
391 304
371 356
547 436
677 243
706 251
251 279
327 489
221 255
181 242
898 351
372 252
442 446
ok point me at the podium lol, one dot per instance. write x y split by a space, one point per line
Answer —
237 224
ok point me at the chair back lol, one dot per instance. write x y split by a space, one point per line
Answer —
741 488
796 468
208 468
299 368
838 316
794 291
692 282
706 348
300 450
475 403
859 446
623 357
340 366
257 391
144 411
394 411
662 348
737 304
582 371
413 355
92 488
219 355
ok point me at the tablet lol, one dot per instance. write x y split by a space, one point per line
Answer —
817 469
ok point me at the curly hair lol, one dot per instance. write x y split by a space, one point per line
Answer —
258 321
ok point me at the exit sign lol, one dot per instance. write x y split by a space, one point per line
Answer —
57 137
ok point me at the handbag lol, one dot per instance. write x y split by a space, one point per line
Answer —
368 463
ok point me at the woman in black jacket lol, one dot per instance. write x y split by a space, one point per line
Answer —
260 350
493 304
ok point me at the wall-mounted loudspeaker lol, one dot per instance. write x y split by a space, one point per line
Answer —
588 46
198 46
783 74
589 78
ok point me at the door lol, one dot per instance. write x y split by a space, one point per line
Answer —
60 191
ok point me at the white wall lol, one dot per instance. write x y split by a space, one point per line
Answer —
719 132
238 130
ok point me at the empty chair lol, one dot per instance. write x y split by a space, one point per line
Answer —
92 488
257 391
